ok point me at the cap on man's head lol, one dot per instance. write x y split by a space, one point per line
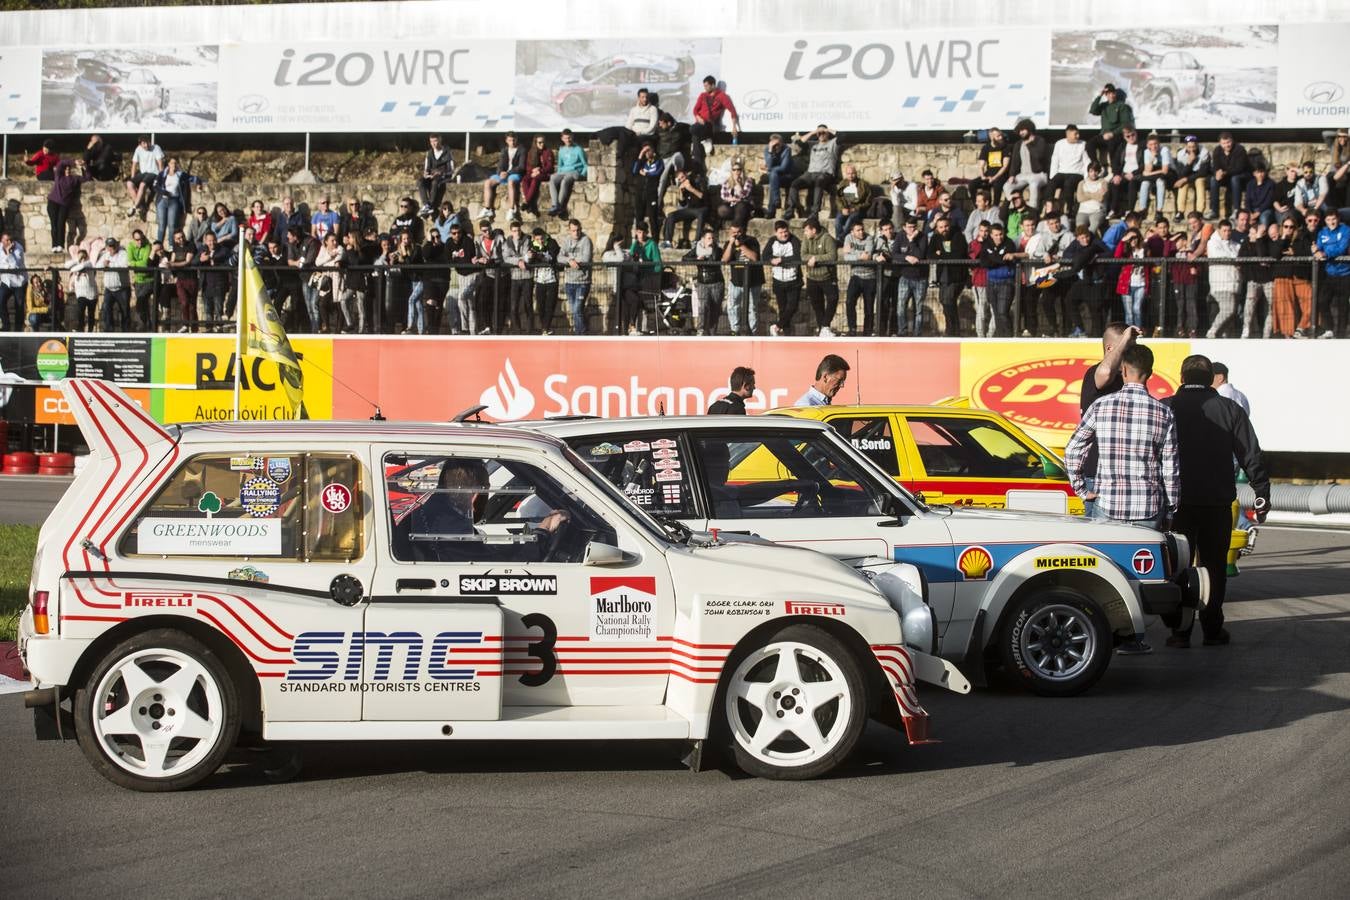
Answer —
538 232
896 176
1109 88
1192 139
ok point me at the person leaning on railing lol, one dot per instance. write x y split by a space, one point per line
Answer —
1292 286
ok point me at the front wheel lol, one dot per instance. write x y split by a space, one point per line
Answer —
158 713
1057 642
795 705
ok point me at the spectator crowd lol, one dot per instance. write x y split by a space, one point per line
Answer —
1051 238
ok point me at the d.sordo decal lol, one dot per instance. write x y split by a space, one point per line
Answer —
507 583
333 661
623 609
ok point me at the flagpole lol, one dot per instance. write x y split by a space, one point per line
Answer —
239 329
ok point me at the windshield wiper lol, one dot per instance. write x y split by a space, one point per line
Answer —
681 532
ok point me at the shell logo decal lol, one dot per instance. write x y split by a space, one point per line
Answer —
975 563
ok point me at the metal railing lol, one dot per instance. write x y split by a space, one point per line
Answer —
682 296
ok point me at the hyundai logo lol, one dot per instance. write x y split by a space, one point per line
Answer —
252 103
1323 92
761 100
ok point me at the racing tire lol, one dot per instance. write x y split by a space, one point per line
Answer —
158 712
575 106
793 706
1056 642
1163 104
130 112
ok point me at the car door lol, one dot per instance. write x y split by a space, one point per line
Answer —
975 461
492 548
874 436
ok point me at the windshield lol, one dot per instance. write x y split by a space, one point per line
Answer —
650 525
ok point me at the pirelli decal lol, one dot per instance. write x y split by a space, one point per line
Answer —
1066 562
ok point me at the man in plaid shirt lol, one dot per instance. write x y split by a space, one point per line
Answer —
1138 472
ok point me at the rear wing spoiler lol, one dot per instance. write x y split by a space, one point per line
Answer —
112 423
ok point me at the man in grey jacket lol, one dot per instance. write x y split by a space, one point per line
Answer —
865 251
822 172
574 255
520 300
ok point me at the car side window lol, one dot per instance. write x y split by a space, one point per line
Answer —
754 475
972 448
647 467
872 437
288 506
463 509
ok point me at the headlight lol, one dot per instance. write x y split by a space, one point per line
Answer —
906 589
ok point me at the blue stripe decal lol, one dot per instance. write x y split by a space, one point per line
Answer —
939 562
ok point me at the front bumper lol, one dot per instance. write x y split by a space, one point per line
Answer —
1188 590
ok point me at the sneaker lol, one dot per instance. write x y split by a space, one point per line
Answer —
485 213
131 212
632 330
707 145
515 214
1134 647
485 331
1246 335
700 333
545 332
1298 333
1178 218
773 331
826 332
1077 333
425 212
1219 640
183 330
667 245
1179 641
57 248
1327 334
1026 332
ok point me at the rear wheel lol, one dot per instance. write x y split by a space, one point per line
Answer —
575 105
795 706
158 713
1057 642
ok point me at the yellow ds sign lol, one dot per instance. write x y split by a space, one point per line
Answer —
208 363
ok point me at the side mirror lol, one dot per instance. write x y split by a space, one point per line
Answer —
598 554
1052 468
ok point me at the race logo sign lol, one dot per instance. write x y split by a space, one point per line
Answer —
974 563
623 609
1142 561
515 583
336 498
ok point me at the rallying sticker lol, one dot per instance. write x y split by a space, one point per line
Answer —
623 609
260 497
248 573
663 443
667 464
668 475
336 498
637 446
606 449
670 493
245 463
665 453
523 583
1066 562
974 563
1142 561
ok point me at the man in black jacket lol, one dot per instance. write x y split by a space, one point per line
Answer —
742 384
1230 170
1211 432
1030 164
946 243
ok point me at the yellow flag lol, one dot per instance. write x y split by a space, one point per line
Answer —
261 334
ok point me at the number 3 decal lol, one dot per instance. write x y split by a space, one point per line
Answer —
541 649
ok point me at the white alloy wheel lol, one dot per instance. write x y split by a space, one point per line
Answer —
159 712
795 706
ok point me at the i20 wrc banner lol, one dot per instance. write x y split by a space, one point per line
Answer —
1273 75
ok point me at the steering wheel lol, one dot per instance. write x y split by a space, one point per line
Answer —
808 497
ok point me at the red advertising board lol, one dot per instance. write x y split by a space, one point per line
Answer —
533 378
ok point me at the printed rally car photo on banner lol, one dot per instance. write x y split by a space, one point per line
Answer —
303 581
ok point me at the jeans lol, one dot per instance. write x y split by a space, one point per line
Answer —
546 303
1000 299
949 296
57 214
117 303
1235 185
1157 185
788 295
168 216
709 305
672 164
984 322
84 312
213 303
1034 182
843 223
352 303
560 188
468 302
312 306
417 311
751 296
867 289
777 181
576 305
1134 305
914 289
824 299
1227 303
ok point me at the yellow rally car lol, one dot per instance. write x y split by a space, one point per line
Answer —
960 457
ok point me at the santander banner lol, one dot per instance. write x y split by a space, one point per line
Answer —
536 378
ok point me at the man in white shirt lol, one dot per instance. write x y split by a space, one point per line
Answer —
116 286
1068 166
1223 277
830 377
1226 389
642 117
14 283
146 162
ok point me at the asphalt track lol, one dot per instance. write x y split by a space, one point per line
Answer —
1210 772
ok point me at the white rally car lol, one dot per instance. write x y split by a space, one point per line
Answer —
376 581
1047 596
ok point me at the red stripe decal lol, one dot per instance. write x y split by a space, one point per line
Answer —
240 619
216 622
